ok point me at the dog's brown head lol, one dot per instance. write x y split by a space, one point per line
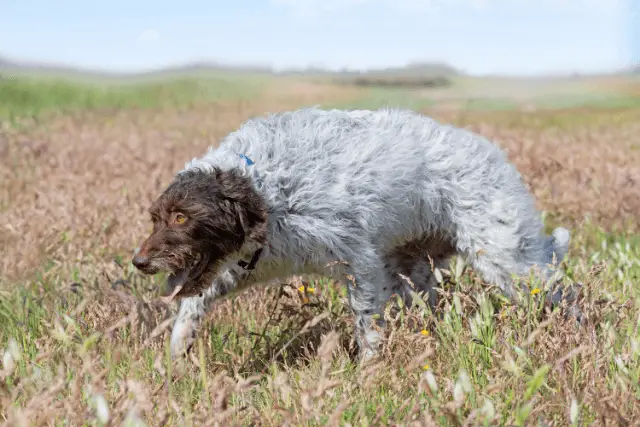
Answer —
198 221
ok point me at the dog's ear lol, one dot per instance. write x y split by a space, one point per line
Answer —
247 204
253 221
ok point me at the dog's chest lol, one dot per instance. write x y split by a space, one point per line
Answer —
269 269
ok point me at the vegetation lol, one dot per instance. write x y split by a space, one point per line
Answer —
396 81
84 337
23 96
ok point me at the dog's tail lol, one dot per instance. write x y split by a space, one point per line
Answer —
557 245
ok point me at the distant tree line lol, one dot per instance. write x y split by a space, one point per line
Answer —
397 81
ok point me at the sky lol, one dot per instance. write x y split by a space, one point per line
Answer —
508 37
634 31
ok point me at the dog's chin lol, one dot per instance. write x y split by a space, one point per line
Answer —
190 280
178 279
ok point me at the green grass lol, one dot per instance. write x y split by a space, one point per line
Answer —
34 97
480 94
588 100
481 359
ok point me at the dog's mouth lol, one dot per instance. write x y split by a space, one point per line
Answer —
177 279
189 280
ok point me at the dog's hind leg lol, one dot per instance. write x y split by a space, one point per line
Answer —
424 279
503 245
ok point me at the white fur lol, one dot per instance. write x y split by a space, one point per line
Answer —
352 185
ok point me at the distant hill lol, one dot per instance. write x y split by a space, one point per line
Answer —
190 68
426 69
204 67
423 70
416 75
5 63
30 67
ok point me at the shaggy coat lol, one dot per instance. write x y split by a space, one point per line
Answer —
382 191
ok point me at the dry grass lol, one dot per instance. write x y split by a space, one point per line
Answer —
85 336
578 162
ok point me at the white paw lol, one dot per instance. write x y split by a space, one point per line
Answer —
369 345
182 337
366 354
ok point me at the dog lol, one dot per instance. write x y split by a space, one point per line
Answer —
378 193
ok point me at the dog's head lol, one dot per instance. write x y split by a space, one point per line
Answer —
199 221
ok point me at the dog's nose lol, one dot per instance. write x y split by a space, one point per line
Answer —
140 261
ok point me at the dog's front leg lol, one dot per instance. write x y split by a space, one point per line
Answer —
367 295
193 309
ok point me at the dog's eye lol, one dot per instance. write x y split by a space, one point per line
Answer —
180 219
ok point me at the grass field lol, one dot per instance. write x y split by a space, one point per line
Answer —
83 336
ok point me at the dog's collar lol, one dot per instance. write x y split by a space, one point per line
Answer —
254 260
247 159
256 254
250 162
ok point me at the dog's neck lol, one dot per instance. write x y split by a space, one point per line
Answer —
248 251
227 159
257 179
265 258
255 257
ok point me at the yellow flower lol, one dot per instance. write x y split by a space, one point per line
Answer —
535 291
309 289
424 332
305 300
425 367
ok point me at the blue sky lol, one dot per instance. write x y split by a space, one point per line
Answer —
478 36
634 30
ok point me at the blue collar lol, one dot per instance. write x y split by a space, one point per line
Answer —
250 162
247 159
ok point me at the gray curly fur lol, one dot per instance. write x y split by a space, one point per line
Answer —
356 186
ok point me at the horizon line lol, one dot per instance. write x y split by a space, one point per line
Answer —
33 64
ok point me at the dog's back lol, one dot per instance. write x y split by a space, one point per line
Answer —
335 176
378 190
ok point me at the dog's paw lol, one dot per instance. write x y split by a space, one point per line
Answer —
182 338
367 355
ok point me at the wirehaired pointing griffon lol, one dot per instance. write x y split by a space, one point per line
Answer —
382 191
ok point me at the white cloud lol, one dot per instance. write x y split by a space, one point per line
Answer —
148 36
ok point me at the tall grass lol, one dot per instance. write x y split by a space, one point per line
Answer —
96 351
84 340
